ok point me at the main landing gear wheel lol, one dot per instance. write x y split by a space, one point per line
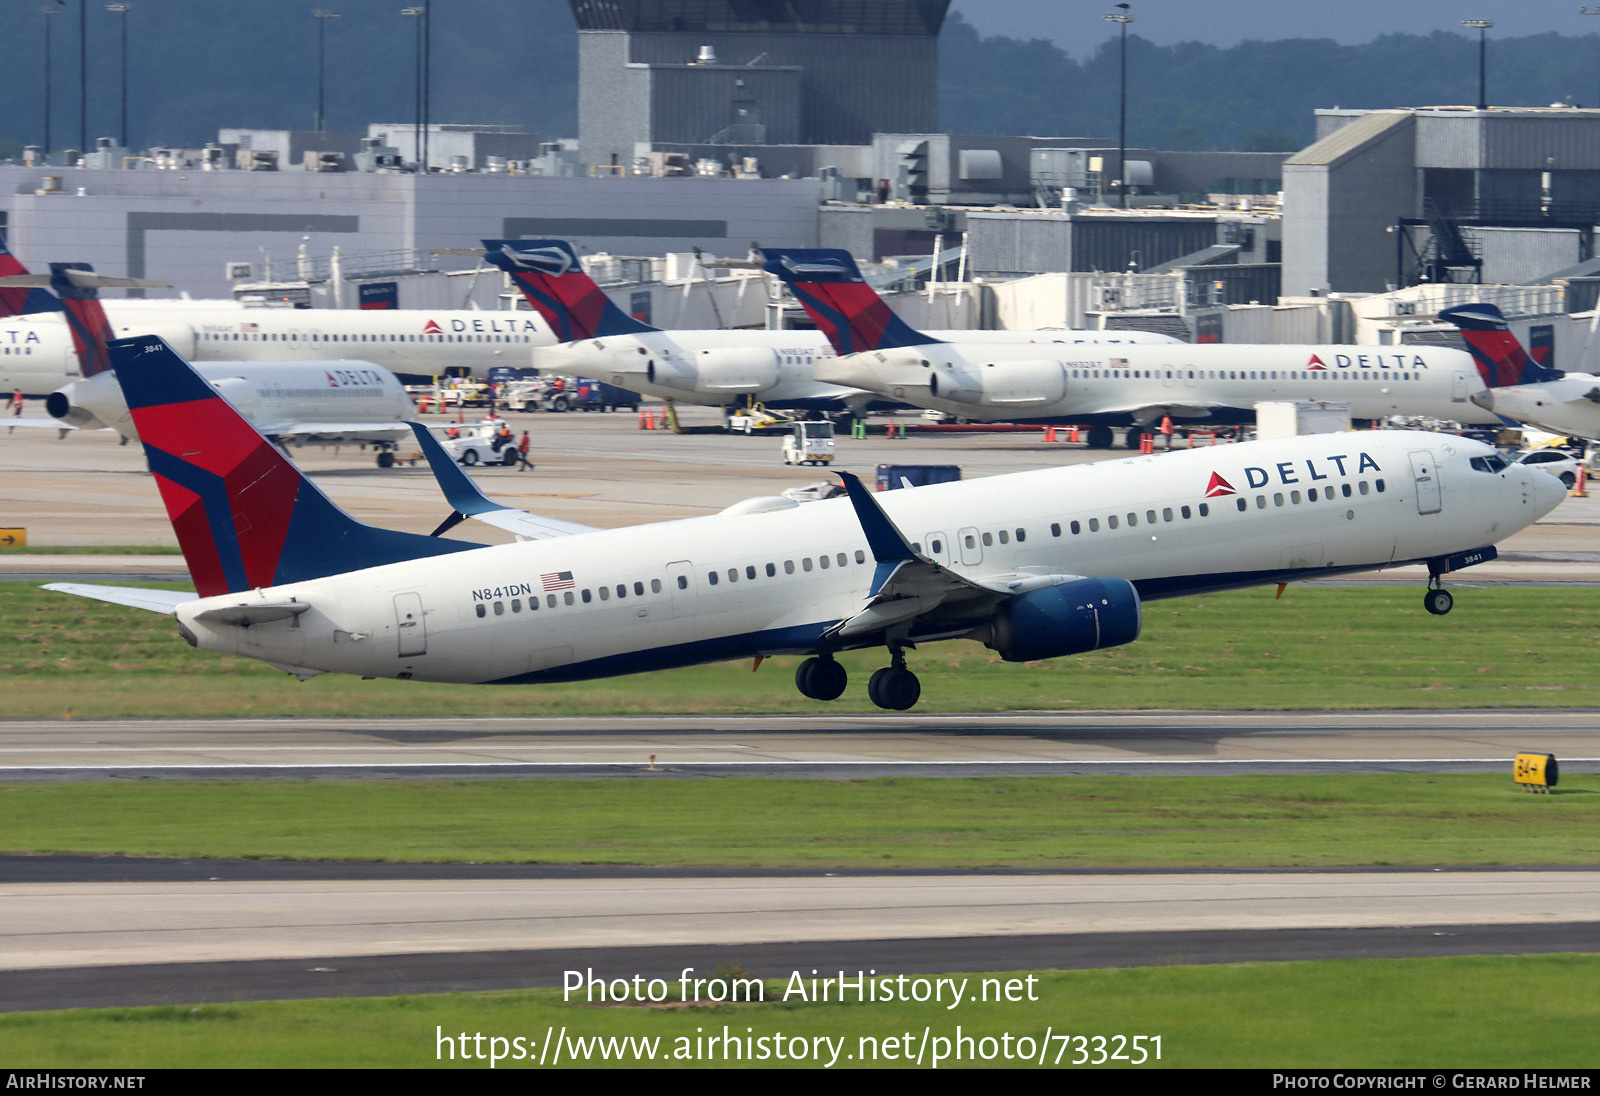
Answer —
895 688
1133 437
1100 437
820 678
1438 601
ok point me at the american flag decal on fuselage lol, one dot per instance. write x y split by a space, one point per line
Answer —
558 580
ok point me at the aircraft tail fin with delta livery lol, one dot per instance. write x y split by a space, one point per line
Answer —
1500 357
838 299
86 317
244 515
18 299
555 283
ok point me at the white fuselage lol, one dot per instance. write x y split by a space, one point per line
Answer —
777 368
761 583
1139 384
347 400
41 359
1569 406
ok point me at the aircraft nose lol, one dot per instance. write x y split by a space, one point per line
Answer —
1548 491
1484 399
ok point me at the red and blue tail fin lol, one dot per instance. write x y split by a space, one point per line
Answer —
86 316
1501 360
16 300
550 276
245 516
838 299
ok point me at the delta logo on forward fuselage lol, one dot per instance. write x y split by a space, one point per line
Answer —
1368 361
483 327
361 378
1288 473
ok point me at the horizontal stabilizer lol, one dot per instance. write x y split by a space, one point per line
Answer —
155 601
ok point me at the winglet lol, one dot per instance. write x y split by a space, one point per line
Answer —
827 283
550 276
890 549
464 496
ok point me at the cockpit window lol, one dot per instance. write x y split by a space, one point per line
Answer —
1491 463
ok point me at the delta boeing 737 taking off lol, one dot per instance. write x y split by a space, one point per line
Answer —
1035 565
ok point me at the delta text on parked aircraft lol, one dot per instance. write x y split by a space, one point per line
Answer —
1035 565
1108 386
713 367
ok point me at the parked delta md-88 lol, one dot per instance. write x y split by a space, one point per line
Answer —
717 367
1108 386
1035 564
1523 388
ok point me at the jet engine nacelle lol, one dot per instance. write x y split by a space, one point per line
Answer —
1069 618
736 371
1026 383
66 405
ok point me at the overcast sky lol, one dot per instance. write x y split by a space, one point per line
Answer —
1077 25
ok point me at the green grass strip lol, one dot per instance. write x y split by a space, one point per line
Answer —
1021 822
1330 647
1499 1012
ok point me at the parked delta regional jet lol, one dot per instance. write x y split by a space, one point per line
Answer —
1035 565
717 368
1521 389
1102 386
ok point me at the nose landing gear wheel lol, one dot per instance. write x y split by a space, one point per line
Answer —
1438 602
820 678
895 688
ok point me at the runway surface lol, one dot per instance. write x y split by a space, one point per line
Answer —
847 746
242 939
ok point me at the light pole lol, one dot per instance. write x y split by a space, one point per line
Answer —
321 15
1590 11
1481 25
1122 18
83 77
416 128
47 12
123 10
